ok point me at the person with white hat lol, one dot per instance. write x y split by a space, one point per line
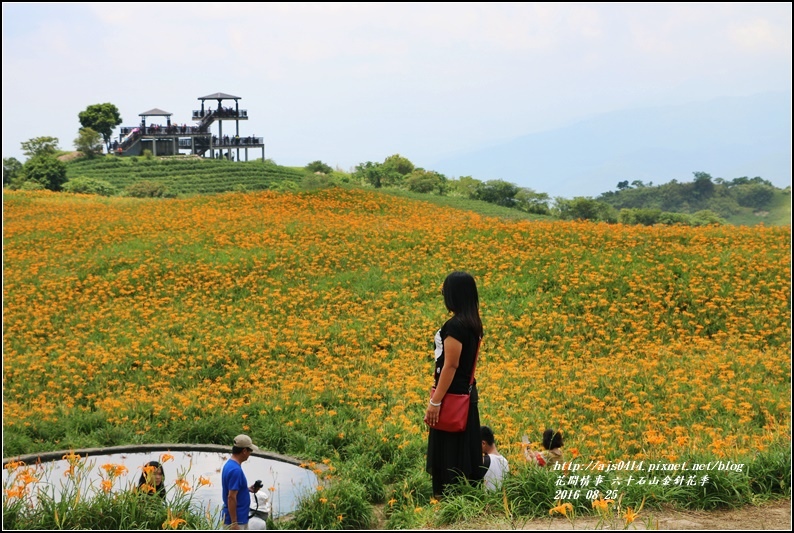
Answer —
235 489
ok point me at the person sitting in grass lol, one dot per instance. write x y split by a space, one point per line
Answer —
552 453
496 465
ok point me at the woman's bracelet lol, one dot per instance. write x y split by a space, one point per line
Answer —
435 404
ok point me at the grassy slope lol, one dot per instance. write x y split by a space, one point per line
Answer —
191 175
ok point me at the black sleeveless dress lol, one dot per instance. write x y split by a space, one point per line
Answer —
453 456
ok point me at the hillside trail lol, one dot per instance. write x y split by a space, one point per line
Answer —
771 516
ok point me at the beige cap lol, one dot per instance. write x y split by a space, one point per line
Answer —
244 441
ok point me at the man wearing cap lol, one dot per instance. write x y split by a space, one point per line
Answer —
235 489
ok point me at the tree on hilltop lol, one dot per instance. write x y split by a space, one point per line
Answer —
101 118
89 142
40 146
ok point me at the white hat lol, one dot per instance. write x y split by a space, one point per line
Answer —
244 441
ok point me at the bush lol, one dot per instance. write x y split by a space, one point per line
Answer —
706 217
31 186
316 181
319 166
532 202
424 181
147 154
497 192
754 195
149 189
86 185
584 208
46 170
646 217
675 218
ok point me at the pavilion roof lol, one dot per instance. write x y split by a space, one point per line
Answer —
156 112
219 96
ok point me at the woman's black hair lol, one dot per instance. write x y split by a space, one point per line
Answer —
460 297
159 489
552 439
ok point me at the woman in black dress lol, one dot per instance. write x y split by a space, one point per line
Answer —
453 457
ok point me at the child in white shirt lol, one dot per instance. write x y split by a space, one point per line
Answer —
495 463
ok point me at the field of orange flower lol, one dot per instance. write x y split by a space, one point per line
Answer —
306 320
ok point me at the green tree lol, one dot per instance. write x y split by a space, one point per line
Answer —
703 187
101 118
369 172
89 142
584 208
395 169
40 146
426 181
754 195
399 164
465 186
498 192
319 166
532 202
11 169
45 170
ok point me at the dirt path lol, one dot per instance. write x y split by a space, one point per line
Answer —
772 516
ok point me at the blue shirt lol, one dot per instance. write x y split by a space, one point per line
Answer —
233 478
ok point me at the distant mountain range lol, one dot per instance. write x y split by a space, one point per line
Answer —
727 138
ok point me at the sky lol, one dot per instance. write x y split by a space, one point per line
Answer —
346 83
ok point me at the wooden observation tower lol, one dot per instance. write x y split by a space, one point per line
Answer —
199 139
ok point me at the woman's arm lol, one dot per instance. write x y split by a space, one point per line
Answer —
452 350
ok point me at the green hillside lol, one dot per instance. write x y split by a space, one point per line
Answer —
187 175
194 175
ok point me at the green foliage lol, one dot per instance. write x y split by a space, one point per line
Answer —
31 186
147 154
102 118
319 166
89 142
11 169
703 187
532 202
707 217
40 146
82 505
316 181
753 195
370 173
465 186
86 185
46 170
426 181
390 173
671 219
584 208
148 189
646 217
735 200
397 164
343 505
188 175
497 192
